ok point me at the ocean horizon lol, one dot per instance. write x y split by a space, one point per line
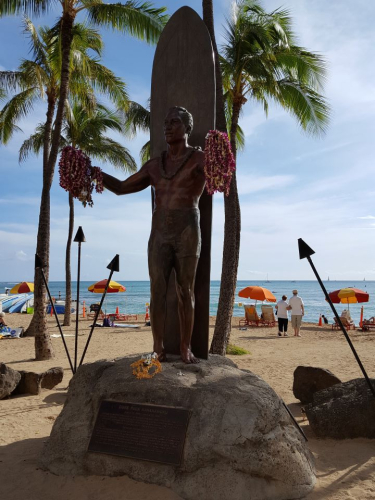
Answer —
137 294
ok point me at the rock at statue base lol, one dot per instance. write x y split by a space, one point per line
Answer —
309 379
240 441
344 411
9 379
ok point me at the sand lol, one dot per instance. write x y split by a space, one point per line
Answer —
345 469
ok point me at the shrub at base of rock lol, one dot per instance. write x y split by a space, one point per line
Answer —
344 411
308 380
9 380
240 441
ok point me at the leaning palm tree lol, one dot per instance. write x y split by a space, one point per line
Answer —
135 18
261 61
36 79
85 130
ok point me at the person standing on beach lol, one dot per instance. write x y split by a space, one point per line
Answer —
282 316
177 179
298 310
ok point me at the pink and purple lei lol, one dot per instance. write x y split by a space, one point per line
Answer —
219 162
78 177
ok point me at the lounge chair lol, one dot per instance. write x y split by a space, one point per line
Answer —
368 324
251 317
346 320
123 317
268 316
93 308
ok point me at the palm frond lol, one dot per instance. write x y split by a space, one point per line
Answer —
10 80
108 150
308 106
145 153
36 45
137 19
35 7
136 118
34 144
18 107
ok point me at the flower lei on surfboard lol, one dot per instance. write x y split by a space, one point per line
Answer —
219 162
78 177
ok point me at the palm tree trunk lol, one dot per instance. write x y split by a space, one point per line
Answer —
232 225
208 18
68 274
38 325
231 253
66 43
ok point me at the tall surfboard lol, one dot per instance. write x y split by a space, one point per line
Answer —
184 75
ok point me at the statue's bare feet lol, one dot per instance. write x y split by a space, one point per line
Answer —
162 356
188 357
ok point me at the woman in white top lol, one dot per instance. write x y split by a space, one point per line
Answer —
282 316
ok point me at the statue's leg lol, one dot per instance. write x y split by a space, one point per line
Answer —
185 279
160 263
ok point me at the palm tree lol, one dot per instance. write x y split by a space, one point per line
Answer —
85 131
135 18
38 78
261 61
137 118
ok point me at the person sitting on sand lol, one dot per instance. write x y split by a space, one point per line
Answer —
324 319
2 319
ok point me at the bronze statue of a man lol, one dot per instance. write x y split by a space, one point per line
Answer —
177 179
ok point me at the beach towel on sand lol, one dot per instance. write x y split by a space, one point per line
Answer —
12 333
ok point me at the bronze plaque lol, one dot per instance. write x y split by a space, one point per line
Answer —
141 431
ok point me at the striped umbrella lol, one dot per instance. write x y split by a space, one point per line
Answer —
348 296
113 287
23 287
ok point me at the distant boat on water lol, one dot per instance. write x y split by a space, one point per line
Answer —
267 280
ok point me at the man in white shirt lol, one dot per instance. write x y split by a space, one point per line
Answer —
282 316
298 310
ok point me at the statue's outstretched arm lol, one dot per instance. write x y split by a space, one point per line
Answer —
136 182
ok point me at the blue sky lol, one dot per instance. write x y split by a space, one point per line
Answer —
291 185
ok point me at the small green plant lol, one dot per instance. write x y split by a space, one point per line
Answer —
236 351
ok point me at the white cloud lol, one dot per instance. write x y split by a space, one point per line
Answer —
21 255
253 183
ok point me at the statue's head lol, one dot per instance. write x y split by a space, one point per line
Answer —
175 114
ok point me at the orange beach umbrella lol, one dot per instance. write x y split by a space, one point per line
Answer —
23 287
113 287
257 293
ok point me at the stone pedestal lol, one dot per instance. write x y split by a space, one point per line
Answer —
240 441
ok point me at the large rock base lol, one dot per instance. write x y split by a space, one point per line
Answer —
240 443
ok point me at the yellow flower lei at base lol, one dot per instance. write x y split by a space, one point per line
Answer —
142 367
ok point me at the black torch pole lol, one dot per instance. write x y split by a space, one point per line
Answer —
79 238
114 265
39 265
305 252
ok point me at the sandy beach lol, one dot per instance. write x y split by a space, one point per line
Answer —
345 469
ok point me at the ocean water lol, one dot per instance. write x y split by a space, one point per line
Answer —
137 294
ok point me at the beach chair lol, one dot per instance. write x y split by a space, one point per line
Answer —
346 320
251 317
268 316
92 313
368 324
123 317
